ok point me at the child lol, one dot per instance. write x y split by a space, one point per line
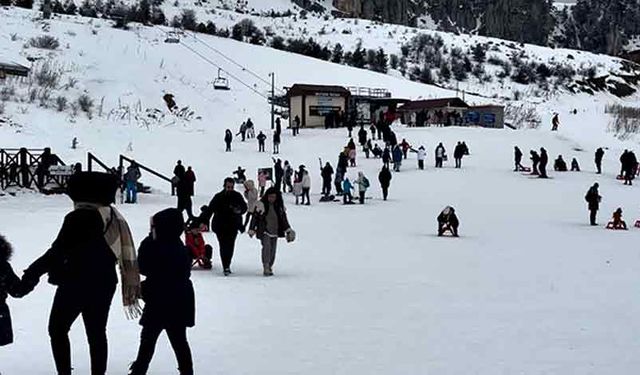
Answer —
617 222
200 251
262 182
11 285
167 291
447 220
346 191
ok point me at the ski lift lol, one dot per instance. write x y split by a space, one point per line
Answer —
172 37
221 83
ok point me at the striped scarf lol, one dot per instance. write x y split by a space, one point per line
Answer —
120 240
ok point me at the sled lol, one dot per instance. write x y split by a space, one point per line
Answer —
620 178
447 229
329 198
612 226
201 252
524 170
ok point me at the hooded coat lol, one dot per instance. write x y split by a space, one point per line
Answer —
11 285
251 195
166 262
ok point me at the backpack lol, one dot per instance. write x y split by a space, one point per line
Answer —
365 182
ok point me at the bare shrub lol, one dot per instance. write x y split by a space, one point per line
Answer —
522 116
44 42
7 93
85 103
61 103
33 95
44 97
2 108
625 122
47 75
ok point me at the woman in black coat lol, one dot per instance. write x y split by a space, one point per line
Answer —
83 267
11 285
385 181
167 291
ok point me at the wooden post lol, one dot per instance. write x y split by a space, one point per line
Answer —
24 168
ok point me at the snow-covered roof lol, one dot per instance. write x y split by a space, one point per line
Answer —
14 64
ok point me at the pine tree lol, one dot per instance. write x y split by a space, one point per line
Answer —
211 28
87 9
143 14
426 76
28 4
445 72
381 61
358 57
5 3
70 7
157 16
57 7
337 54
46 9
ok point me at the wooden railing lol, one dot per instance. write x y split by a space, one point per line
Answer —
22 167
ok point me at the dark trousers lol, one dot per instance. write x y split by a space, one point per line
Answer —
149 338
276 148
385 192
185 203
305 193
227 244
421 164
347 197
543 170
228 149
326 186
278 184
592 216
93 304
362 193
261 147
439 162
599 166
458 162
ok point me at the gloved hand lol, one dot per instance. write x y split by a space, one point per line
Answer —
252 233
28 283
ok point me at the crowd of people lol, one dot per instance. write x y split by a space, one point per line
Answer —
95 240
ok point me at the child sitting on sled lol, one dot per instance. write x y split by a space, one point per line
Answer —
448 221
617 223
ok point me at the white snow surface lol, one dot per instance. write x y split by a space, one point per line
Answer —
529 288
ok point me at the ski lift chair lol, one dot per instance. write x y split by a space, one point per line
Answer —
221 83
172 37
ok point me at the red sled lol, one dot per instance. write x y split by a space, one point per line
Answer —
201 252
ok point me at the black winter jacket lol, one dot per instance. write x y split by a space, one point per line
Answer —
227 208
166 262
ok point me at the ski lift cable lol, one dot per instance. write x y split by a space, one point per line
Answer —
244 68
217 66
221 69
230 59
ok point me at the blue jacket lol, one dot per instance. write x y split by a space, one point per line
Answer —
397 155
347 186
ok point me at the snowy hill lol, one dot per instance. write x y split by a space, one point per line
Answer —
529 288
